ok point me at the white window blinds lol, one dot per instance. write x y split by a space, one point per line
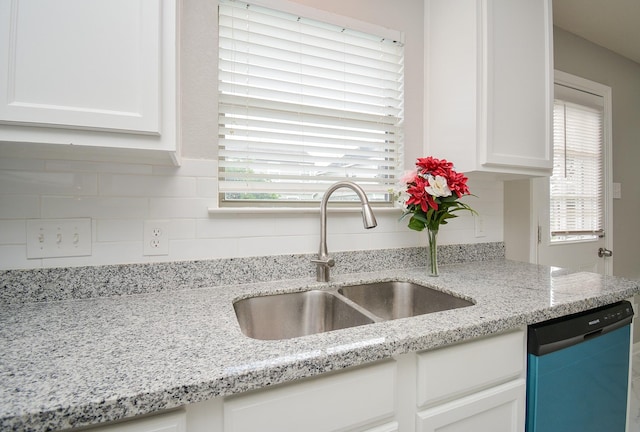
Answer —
303 104
577 183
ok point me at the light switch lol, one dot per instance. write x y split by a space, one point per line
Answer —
53 238
617 190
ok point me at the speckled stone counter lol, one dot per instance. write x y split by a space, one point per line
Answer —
76 362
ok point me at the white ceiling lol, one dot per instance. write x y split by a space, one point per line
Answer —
613 24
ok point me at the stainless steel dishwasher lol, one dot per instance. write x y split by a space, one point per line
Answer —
578 371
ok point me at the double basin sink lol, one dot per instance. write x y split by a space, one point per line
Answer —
286 316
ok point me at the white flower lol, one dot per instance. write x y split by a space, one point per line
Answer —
438 186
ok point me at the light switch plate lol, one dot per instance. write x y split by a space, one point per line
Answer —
54 238
617 190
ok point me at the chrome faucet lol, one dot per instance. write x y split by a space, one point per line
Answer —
324 262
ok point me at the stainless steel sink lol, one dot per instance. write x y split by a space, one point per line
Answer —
393 300
285 316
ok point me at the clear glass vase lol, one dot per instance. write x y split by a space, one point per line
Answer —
433 252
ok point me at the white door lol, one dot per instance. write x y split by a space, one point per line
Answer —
575 220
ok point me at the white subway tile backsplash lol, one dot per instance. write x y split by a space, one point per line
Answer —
19 164
69 261
119 197
15 257
207 187
118 230
97 167
190 168
346 242
95 207
203 249
13 232
292 225
146 186
408 238
277 245
388 222
105 253
236 226
182 229
47 183
167 208
19 206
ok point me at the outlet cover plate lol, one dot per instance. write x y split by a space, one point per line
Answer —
156 237
55 238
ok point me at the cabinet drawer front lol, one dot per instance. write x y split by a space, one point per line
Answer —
170 422
499 409
336 402
461 369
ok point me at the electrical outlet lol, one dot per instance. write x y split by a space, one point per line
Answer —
478 222
156 237
55 238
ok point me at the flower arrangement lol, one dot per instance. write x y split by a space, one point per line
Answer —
430 194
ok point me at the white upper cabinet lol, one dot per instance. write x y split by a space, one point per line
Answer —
99 73
489 84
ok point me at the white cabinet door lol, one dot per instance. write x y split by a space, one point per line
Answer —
169 422
447 373
519 83
341 401
81 64
98 73
499 409
489 84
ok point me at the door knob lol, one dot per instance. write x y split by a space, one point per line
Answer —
602 252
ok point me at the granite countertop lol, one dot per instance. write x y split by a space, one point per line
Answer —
81 361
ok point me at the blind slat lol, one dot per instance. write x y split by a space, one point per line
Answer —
314 114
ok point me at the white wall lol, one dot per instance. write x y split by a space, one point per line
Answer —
119 197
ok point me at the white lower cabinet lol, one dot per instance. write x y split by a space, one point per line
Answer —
460 369
476 386
499 409
473 386
338 402
174 421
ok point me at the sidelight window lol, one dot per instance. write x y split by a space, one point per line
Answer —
577 183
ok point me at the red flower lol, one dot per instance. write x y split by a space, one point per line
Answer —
458 183
434 166
418 194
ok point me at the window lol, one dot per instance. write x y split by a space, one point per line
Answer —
303 104
577 183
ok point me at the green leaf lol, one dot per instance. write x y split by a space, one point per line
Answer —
416 224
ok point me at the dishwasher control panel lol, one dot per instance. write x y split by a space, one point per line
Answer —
552 335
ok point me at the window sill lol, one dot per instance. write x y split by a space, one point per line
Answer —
217 211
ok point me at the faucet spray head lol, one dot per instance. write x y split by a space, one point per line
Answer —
368 218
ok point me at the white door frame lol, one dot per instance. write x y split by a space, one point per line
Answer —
593 87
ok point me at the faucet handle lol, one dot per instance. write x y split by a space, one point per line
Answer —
327 262
322 267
